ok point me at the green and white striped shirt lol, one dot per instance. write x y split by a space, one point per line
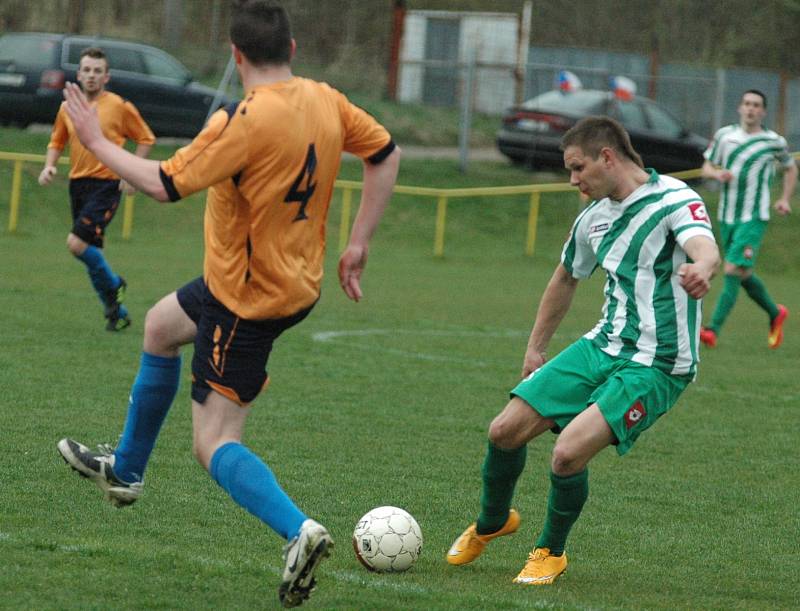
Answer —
751 158
647 316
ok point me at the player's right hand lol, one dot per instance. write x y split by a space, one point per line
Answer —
47 174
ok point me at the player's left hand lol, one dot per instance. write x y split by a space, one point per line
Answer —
351 266
695 279
534 359
83 115
783 207
126 187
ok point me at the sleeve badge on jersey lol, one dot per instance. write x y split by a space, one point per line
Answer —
634 415
698 210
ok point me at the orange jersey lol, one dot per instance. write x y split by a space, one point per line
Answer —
119 120
270 163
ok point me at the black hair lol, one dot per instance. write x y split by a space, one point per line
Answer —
756 92
260 30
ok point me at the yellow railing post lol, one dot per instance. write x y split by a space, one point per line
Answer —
533 222
344 223
127 217
441 216
16 188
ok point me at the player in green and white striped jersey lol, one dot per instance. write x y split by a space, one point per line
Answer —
743 158
652 237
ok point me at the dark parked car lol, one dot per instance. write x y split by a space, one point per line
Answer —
531 133
34 67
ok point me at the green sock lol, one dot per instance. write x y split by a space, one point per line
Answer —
758 293
500 472
564 505
725 302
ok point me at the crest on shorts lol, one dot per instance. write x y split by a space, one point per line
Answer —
635 414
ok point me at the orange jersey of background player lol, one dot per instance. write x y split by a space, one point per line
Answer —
271 171
119 120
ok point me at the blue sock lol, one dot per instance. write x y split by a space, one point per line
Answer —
100 274
252 485
151 397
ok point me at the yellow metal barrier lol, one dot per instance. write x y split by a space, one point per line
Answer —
347 187
16 187
533 221
16 182
344 223
441 217
127 217
444 195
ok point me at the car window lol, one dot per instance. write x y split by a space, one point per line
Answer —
31 52
119 58
662 122
124 58
577 102
162 66
632 115
74 52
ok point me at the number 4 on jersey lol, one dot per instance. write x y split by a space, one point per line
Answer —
306 176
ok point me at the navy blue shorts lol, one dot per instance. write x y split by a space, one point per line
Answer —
230 353
94 203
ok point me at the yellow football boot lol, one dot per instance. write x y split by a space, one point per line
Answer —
470 544
542 568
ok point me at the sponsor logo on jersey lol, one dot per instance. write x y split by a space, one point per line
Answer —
698 210
634 415
600 228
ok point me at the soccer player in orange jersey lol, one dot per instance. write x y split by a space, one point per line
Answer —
94 189
269 163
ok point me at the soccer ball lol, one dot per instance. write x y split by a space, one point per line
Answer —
387 540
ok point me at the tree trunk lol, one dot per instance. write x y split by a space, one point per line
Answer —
173 23
75 16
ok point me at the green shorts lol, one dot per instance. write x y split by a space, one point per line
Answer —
742 241
631 396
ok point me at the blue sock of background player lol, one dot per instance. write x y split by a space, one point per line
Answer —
103 279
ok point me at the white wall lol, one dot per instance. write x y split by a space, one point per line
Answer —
494 40
409 82
492 37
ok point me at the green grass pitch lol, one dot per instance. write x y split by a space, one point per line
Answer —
383 402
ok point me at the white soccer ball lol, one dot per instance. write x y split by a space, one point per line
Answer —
387 540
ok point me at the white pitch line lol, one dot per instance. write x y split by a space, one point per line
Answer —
341 337
325 336
368 580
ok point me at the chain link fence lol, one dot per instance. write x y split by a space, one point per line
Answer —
703 98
